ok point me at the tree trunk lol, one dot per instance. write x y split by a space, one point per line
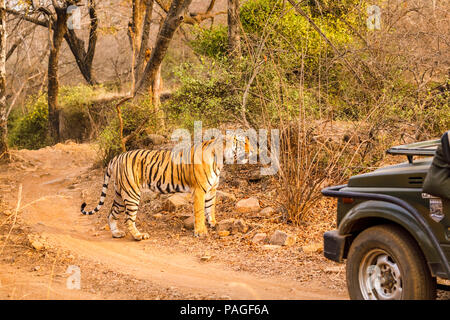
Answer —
140 59
171 23
3 111
53 84
84 58
234 39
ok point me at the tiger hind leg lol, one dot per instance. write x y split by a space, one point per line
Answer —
131 208
117 208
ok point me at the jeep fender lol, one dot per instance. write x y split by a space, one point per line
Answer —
376 212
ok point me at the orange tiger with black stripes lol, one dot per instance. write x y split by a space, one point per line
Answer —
167 171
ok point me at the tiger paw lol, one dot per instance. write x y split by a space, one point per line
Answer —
141 236
201 233
212 223
118 234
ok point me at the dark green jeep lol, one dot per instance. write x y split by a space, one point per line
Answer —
396 239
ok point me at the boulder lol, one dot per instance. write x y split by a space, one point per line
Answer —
189 223
156 139
267 212
225 196
259 238
225 225
176 201
281 238
248 205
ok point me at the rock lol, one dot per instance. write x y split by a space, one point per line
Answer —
222 195
106 227
36 243
176 201
36 268
282 238
225 225
267 212
313 247
189 223
206 257
156 139
148 196
248 205
224 233
239 226
259 238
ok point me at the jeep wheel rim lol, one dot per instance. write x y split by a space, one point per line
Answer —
380 277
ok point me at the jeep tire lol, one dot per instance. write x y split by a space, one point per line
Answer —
385 263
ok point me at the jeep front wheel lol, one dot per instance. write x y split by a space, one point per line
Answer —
385 263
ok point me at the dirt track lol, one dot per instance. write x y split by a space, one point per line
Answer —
116 268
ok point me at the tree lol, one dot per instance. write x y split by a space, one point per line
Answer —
234 39
172 21
83 56
3 107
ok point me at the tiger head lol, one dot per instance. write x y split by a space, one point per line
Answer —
240 149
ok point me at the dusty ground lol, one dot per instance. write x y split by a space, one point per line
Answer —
170 265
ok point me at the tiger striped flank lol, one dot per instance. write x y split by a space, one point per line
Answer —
196 171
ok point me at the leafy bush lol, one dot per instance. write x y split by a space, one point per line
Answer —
211 42
30 130
211 98
135 115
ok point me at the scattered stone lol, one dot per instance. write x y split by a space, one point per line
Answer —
176 201
313 247
248 205
35 242
8 212
36 268
189 223
267 212
259 238
239 226
106 227
225 225
148 196
206 257
225 196
282 238
224 233
156 139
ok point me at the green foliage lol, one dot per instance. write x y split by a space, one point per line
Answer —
135 115
30 130
206 93
211 42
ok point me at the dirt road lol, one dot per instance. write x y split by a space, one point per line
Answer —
53 182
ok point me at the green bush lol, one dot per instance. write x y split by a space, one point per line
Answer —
134 115
206 93
211 42
30 131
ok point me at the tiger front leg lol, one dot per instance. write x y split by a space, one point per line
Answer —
199 214
210 207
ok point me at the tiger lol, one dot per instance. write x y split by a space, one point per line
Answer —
166 171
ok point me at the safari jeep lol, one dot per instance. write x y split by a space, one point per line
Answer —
396 239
